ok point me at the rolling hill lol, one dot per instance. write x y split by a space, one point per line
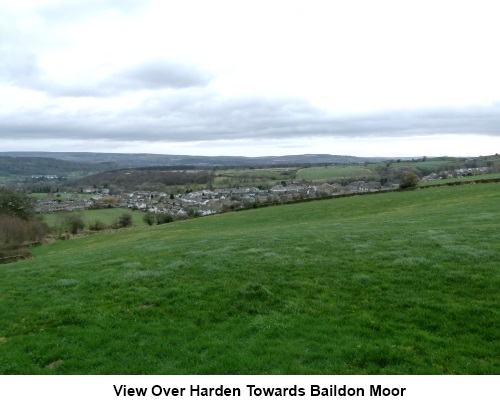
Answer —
128 160
394 283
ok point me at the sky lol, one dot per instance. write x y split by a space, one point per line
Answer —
251 78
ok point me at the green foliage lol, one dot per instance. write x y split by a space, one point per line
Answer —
108 217
15 231
125 220
149 218
192 213
164 219
147 178
74 223
19 227
16 203
97 225
409 179
394 283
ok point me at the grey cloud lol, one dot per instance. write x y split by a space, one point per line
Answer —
160 74
195 115
155 75
21 69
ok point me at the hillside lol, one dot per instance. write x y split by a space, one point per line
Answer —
40 166
394 283
127 160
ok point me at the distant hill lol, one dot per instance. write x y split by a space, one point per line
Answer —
110 161
33 166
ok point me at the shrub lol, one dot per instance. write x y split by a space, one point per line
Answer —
408 180
97 225
164 219
16 232
149 218
125 220
74 223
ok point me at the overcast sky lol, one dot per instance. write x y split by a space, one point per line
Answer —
252 78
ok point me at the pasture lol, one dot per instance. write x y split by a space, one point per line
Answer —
106 215
392 283
324 173
488 176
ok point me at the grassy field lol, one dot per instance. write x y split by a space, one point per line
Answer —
107 216
252 177
394 283
59 196
322 173
460 179
431 164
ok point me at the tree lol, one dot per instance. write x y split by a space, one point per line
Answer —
18 224
125 220
16 203
149 218
192 213
164 219
408 180
97 225
72 223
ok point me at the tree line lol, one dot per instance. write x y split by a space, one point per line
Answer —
19 225
153 179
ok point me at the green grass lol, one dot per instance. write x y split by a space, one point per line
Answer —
322 173
394 283
430 164
252 177
460 179
60 196
107 216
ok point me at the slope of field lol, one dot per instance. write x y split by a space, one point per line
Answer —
397 283
427 166
106 215
466 179
322 173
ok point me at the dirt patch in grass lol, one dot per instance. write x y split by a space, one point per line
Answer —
54 364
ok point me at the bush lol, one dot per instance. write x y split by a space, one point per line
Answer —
125 220
15 232
8 256
74 223
97 225
149 218
164 219
408 180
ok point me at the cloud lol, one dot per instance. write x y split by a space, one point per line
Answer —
150 75
104 70
18 60
74 11
21 69
159 75
197 114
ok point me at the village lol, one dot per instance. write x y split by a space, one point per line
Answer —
206 202
198 203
